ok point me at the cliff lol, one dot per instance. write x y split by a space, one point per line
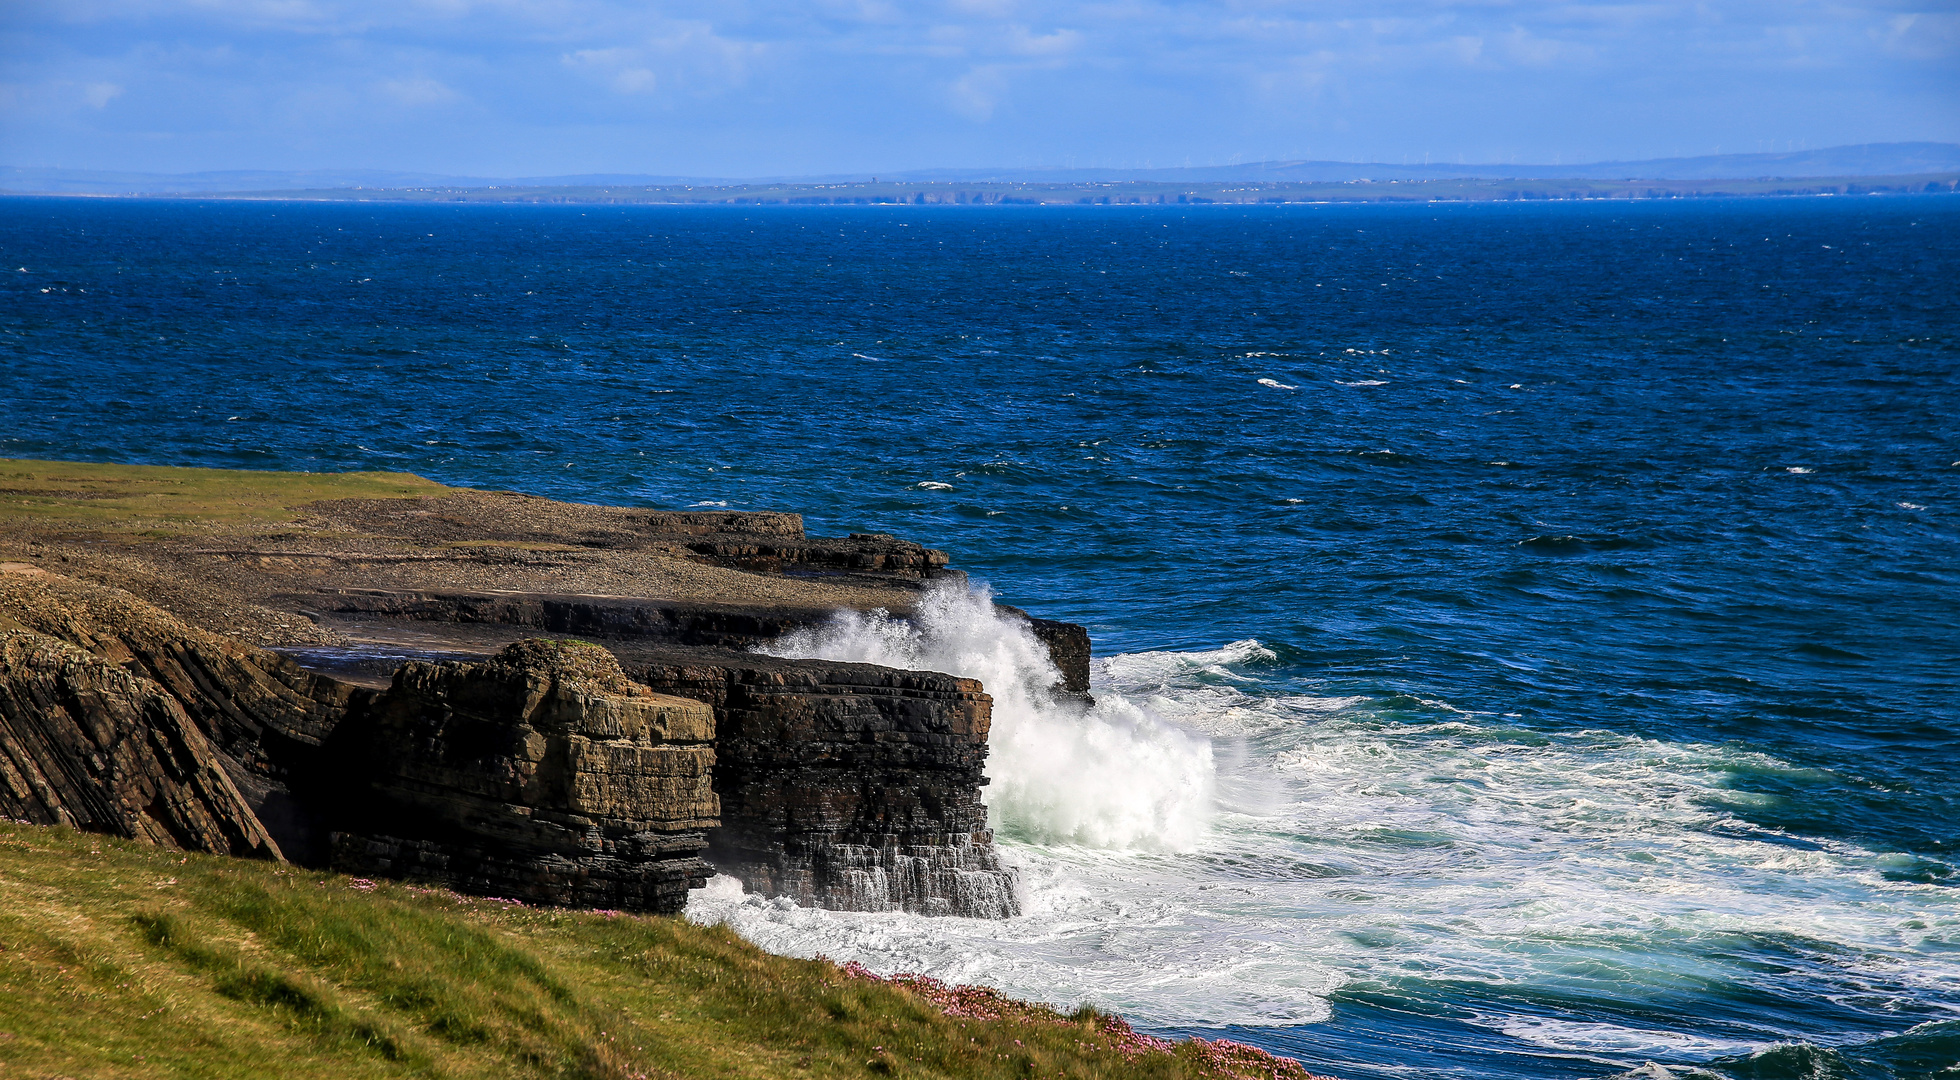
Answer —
542 774
852 786
357 658
85 744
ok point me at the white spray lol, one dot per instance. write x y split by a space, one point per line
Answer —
1112 776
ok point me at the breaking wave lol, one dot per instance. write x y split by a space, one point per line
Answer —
1360 848
1114 775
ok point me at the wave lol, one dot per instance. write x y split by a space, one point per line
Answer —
1352 848
1112 776
1930 1050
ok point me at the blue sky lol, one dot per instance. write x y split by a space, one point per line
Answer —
760 87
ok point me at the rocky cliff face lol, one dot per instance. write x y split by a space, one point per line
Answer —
523 774
85 744
543 775
262 709
262 714
847 786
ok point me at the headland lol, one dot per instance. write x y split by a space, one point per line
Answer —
276 693
512 696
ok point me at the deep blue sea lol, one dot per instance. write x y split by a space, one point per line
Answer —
1529 634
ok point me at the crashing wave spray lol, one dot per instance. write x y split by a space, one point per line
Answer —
1111 776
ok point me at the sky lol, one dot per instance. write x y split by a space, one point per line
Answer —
753 88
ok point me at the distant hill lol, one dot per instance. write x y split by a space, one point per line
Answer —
1871 159
102 182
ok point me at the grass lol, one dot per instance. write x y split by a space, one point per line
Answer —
120 960
156 498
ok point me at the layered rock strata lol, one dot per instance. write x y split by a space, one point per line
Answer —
85 744
542 775
847 786
640 619
263 715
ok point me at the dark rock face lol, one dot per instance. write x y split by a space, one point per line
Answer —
1068 646
86 744
847 786
542 775
861 553
264 711
649 620
587 616
263 715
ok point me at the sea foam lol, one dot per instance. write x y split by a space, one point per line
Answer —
1405 846
1114 775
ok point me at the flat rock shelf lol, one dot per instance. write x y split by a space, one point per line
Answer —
503 694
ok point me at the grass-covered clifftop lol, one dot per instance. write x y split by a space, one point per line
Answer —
88 495
120 960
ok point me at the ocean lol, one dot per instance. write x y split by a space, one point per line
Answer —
1528 635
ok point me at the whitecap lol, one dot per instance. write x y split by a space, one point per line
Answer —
709 502
1276 384
1364 382
1595 1037
932 485
1911 506
1798 470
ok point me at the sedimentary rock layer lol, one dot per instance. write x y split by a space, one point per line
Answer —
263 715
849 786
84 743
264 711
846 786
542 775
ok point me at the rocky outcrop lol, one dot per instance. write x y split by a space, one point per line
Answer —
542 775
860 553
263 711
847 786
761 542
264 715
86 744
640 619
1068 646
624 617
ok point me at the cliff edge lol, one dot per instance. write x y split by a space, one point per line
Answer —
507 694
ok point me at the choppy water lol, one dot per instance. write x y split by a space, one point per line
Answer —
1528 633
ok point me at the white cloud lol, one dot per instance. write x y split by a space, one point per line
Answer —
98 95
1922 35
419 92
1107 80
975 94
684 57
1024 42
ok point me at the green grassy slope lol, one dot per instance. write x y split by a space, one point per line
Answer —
119 960
112 497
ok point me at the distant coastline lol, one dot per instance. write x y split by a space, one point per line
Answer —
1877 168
1109 193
